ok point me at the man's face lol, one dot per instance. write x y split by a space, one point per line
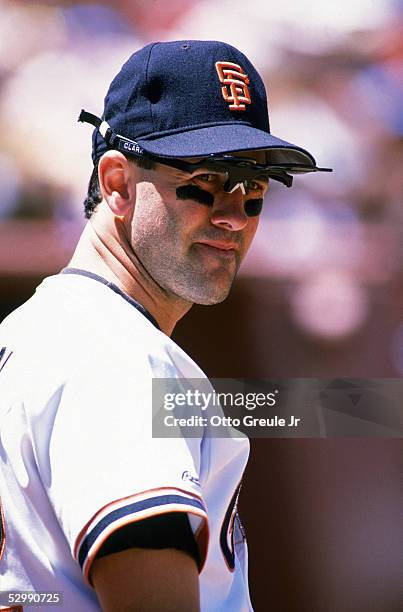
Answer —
191 249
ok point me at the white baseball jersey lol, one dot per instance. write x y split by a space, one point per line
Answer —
77 456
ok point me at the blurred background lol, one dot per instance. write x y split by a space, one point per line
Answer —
319 295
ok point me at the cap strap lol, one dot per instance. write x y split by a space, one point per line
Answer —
103 127
87 117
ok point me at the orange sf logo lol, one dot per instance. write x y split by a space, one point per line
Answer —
235 85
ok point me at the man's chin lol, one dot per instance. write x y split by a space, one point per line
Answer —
211 298
207 291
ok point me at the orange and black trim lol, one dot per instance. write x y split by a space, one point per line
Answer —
2 532
227 531
134 508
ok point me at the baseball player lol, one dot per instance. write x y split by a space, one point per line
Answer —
96 512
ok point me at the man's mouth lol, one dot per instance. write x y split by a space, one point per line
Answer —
219 245
223 251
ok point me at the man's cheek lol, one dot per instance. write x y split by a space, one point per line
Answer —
253 224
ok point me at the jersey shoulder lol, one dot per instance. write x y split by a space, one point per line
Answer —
78 323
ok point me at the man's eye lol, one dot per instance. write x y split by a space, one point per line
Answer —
206 177
259 187
256 186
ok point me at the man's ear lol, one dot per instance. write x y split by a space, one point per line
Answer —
114 174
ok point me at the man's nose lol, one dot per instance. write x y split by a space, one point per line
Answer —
229 210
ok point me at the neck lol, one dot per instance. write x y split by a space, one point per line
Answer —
104 249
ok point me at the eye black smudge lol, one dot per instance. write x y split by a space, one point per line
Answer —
253 208
192 192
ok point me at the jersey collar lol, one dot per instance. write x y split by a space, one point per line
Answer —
114 288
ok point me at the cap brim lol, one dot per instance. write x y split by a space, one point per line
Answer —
227 138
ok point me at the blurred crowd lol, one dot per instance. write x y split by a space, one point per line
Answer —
334 75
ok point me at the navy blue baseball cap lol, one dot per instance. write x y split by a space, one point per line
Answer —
192 99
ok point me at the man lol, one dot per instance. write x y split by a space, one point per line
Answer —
94 506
